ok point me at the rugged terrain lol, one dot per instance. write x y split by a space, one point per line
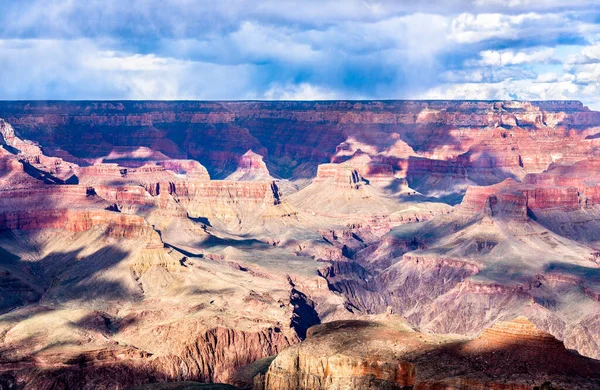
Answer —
387 354
189 241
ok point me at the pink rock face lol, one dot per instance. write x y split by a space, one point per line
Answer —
251 167
341 174
517 198
251 161
118 226
191 168
490 140
31 154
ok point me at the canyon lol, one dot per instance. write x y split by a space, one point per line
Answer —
300 245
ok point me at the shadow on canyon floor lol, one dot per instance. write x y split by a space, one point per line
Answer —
71 276
587 275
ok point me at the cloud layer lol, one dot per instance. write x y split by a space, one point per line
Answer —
310 49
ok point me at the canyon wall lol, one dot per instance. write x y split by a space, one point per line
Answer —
294 137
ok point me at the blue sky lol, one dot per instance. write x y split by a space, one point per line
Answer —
304 49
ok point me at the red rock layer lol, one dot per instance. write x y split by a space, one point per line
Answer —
552 190
340 174
231 192
251 161
251 167
31 154
190 168
213 357
157 180
117 225
521 331
479 136
216 354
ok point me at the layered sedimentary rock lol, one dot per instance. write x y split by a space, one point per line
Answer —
179 187
491 140
340 174
358 169
386 355
564 199
118 225
125 313
89 257
251 167
524 196
48 169
508 248
13 172
131 156
112 229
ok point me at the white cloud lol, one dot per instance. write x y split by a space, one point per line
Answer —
529 4
471 28
548 77
586 73
114 61
489 78
79 69
259 42
511 57
588 55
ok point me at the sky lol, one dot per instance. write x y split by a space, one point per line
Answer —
303 49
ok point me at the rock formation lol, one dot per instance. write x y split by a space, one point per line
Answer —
484 141
383 354
251 167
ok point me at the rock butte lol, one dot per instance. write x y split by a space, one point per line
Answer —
251 167
194 241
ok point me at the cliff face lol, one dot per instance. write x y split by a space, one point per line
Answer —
329 360
382 355
212 358
217 353
295 136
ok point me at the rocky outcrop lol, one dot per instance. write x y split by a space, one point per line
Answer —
190 168
512 198
217 353
318 363
12 172
34 161
213 357
117 225
385 355
342 175
520 330
251 167
502 200
460 272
